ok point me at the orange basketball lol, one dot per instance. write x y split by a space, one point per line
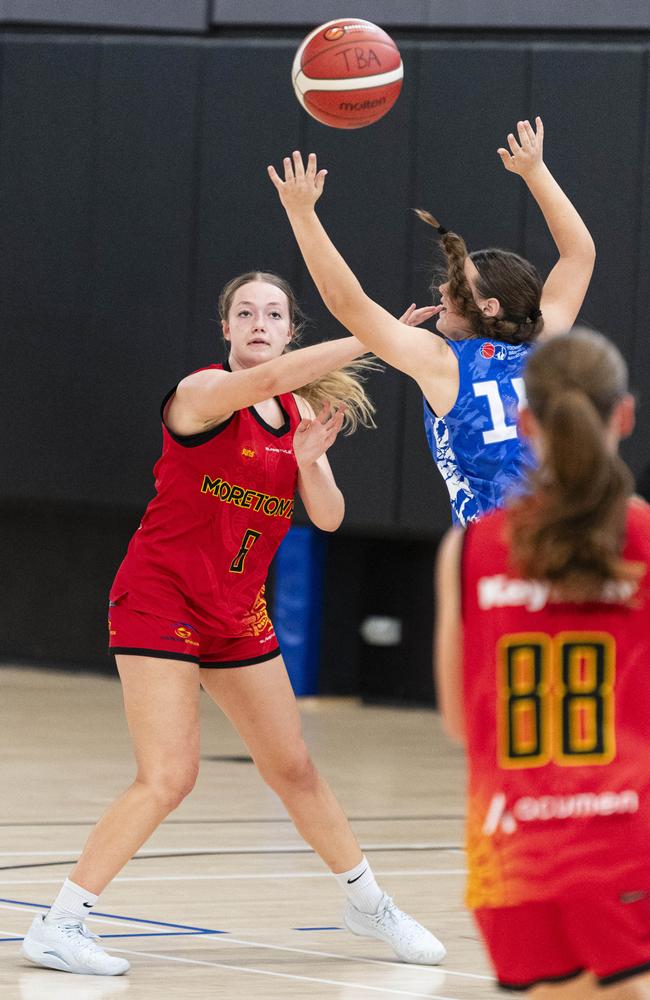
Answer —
347 73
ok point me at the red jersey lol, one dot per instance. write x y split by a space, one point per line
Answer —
223 504
557 715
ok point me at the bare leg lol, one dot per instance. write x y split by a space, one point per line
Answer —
261 705
161 698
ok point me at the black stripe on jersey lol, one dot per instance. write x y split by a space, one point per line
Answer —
159 654
618 977
192 440
539 982
224 664
275 431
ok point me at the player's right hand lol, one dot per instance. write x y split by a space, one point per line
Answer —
301 187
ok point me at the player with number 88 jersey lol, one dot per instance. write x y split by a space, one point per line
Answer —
541 655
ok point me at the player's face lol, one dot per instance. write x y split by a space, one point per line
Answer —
450 322
258 326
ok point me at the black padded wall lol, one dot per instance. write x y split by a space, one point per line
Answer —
133 185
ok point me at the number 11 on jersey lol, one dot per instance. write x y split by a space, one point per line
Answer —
500 430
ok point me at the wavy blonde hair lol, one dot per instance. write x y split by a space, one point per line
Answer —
344 386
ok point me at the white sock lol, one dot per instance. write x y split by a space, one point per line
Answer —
72 903
360 887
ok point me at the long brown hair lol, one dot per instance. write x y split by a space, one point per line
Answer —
343 386
569 529
503 275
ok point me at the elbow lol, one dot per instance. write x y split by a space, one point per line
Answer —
331 519
343 301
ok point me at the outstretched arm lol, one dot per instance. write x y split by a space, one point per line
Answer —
419 353
567 283
209 397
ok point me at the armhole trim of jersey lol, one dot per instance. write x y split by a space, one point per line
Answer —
192 440
275 431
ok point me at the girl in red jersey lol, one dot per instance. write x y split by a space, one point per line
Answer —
493 307
549 602
188 610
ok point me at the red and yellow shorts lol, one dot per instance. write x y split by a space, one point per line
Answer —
555 940
139 633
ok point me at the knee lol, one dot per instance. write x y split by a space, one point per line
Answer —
170 785
293 771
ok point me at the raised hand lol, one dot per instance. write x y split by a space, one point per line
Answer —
414 316
301 187
525 154
312 438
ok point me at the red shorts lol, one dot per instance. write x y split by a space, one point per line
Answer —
553 940
139 633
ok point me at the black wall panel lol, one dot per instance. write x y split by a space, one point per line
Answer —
240 223
460 179
47 140
366 210
142 241
592 99
639 446
133 185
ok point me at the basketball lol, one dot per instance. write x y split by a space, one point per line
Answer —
347 73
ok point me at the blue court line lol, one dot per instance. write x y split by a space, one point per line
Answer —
179 928
317 928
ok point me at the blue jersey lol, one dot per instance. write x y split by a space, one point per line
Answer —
476 445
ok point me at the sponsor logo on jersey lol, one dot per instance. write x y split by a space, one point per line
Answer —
581 805
501 591
247 453
487 350
183 632
240 496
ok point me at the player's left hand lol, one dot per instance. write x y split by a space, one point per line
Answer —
527 153
301 187
414 316
313 437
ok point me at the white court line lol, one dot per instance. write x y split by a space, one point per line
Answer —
226 939
234 878
282 975
236 849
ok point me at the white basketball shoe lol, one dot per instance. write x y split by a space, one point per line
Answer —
69 946
410 941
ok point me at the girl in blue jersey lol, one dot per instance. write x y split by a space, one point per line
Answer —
493 306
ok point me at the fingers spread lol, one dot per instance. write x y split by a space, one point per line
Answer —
298 167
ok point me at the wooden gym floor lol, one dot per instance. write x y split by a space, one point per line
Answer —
225 900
